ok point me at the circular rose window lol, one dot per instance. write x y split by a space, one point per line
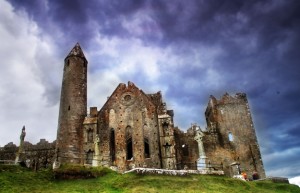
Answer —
127 99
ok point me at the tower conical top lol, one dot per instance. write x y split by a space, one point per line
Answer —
76 51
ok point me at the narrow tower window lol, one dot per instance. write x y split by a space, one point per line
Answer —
230 136
146 148
69 108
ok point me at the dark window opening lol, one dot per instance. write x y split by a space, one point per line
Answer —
146 148
165 125
129 155
112 145
68 62
185 150
90 135
89 157
69 108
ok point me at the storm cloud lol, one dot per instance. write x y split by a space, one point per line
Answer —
187 49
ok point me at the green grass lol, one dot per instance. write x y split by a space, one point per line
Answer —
17 179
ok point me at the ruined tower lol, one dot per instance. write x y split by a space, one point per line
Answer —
73 108
236 145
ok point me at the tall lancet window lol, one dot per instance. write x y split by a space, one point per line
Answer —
112 145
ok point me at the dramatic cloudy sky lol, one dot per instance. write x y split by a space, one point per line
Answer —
187 49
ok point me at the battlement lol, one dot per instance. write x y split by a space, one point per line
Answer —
238 98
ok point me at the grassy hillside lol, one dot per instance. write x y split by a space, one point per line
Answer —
16 179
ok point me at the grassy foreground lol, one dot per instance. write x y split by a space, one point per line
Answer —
17 179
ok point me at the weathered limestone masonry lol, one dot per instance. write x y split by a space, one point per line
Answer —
134 129
128 128
231 137
73 107
34 156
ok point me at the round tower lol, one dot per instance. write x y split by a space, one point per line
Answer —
73 108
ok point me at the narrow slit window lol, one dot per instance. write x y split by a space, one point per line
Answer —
230 136
147 148
112 145
129 155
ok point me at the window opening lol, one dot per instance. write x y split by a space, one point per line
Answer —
147 148
230 136
129 155
185 150
112 145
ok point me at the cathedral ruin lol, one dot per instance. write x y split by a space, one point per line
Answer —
135 129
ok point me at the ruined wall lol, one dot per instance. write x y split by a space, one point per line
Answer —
73 107
128 130
187 152
8 152
35 156
167 141
230 120
90 138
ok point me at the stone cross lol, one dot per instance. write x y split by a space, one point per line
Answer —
22 137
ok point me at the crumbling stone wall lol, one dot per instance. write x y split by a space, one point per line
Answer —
90 135
40 155
231 136
8 152
128 130
187 152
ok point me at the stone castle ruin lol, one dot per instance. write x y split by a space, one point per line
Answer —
134 129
